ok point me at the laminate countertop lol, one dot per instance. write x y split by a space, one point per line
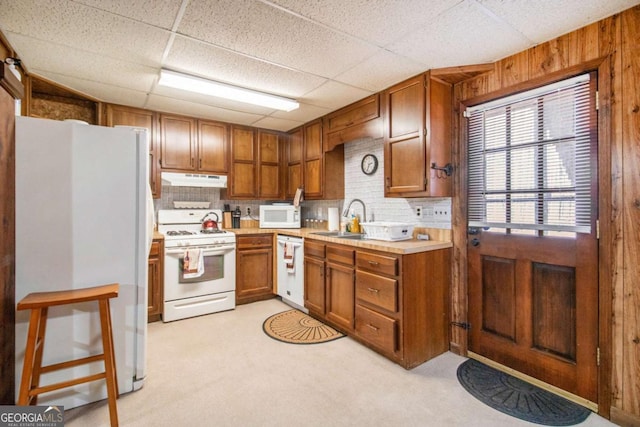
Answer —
400 247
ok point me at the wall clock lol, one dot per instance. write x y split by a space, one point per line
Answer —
369 164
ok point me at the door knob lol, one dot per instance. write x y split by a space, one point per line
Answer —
475 241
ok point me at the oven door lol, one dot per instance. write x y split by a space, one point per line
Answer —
219 272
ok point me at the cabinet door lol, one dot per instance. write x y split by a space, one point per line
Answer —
314 289
439 136
212 147
125 116
405 148
313 160
178 142
243 163
340 295
269 165
294 162
155 281
254 275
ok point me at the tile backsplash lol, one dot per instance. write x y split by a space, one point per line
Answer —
436 212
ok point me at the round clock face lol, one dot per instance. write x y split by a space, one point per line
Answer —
369 164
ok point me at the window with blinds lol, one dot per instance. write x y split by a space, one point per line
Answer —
530 160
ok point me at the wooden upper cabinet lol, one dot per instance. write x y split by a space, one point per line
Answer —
310 166
117 115
294 162
312 163
242 183
213 147
270 172
359 120
179 146
417 132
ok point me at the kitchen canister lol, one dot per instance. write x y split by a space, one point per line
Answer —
334 219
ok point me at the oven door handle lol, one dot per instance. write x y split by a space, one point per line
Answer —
218 250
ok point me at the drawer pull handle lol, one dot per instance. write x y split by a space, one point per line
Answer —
374 263
373 327
373 290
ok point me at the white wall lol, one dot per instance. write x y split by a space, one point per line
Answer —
370 189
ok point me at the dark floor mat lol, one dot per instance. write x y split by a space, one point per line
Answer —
518 398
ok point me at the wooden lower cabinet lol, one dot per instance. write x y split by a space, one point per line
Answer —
394 304
254 268
155 281
314 289
340 286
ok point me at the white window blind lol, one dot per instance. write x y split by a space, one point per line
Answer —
530 159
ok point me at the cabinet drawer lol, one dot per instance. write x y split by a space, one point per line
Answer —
154 252
377 290
377 263
376 328
340 254
313 249
246 242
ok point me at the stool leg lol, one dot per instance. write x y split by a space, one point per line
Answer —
37 365
29 356
115 369
109 360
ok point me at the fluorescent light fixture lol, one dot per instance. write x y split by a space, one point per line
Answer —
223 90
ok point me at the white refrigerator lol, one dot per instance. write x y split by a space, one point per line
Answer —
83 218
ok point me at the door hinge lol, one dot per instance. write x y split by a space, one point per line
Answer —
597 100
598 229
598 356
466 114
464 325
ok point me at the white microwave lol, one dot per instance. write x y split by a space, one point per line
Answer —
280 216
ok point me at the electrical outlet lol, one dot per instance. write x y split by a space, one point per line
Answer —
419 211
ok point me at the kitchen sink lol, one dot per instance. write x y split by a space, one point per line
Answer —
341 235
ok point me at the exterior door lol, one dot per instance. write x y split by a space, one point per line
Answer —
532 244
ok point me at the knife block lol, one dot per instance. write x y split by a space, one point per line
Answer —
226 220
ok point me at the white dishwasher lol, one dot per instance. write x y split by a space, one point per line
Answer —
291 271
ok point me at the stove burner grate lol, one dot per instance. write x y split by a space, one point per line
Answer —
211 231
180 233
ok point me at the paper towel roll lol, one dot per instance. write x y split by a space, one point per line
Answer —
334 219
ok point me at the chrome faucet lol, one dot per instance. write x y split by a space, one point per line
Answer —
364 209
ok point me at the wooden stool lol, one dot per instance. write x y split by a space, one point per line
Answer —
39 303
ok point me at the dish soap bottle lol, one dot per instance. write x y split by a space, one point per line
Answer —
355 223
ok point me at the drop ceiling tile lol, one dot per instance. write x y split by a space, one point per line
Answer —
465 34
274 123
179 106
305 113
334 95
380 22
160 13
63 60
269 33
100 91
208 61
382 70
85 28
544 20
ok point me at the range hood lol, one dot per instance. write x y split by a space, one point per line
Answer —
177 179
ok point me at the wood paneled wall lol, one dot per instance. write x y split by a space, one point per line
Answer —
611 46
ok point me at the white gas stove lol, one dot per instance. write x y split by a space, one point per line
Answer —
212 287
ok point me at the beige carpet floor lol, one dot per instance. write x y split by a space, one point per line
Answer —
223 370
